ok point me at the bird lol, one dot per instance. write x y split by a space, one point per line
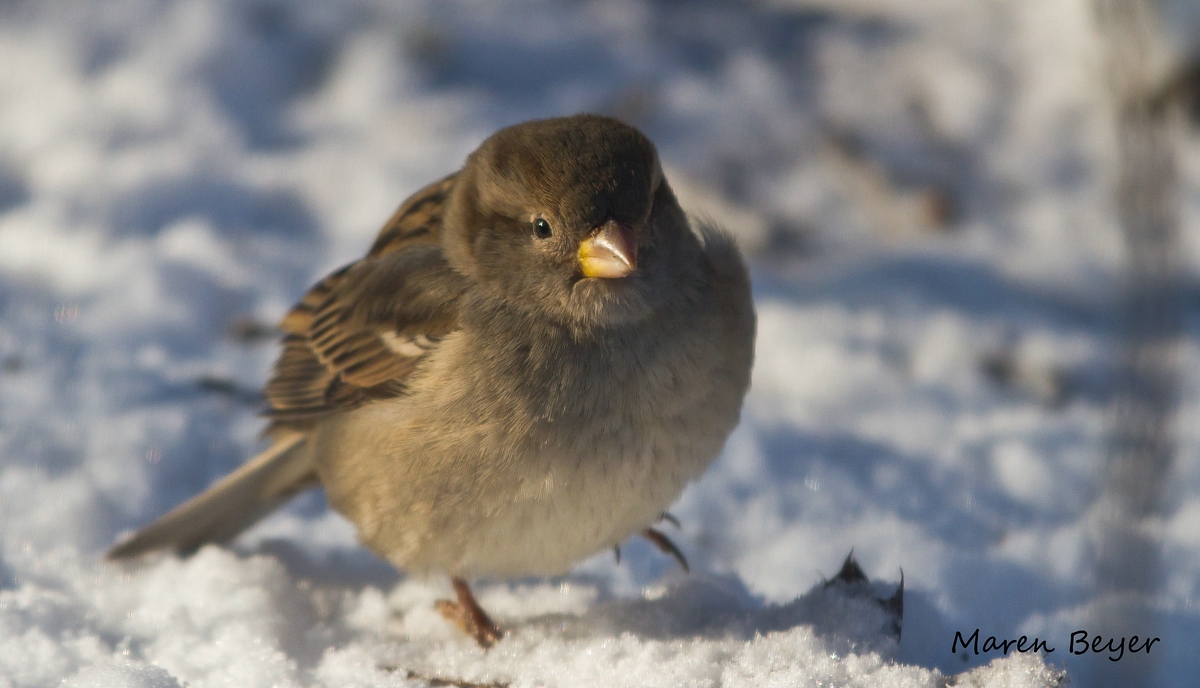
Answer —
536 356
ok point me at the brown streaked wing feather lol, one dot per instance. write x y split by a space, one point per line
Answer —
391 310
418 220
300 380
352 337
299 319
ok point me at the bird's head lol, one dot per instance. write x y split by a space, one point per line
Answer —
570 217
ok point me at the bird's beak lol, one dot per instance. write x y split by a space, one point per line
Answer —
610 252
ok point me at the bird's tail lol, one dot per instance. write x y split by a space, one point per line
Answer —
234 504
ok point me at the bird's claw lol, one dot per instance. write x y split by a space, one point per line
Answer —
468 616
665 546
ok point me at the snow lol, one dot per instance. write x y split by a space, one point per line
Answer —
926 192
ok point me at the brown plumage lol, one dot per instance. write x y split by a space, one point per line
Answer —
532 361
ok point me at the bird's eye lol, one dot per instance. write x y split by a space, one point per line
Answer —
542 228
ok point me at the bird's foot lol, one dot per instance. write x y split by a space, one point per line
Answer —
469 616
665 546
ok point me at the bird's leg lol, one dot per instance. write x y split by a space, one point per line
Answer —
666 516
666 547
468 615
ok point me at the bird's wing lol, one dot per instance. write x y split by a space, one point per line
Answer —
359 333
418 220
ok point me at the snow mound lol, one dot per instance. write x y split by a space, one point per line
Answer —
218 618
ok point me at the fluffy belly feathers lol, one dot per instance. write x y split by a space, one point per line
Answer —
491 513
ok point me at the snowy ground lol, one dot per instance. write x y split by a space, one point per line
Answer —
926 189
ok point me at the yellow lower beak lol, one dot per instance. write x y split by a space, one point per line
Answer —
610 252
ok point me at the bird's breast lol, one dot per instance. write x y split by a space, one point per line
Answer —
518 456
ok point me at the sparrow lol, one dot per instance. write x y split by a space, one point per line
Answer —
536 356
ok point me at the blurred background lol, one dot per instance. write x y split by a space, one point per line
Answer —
973 226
